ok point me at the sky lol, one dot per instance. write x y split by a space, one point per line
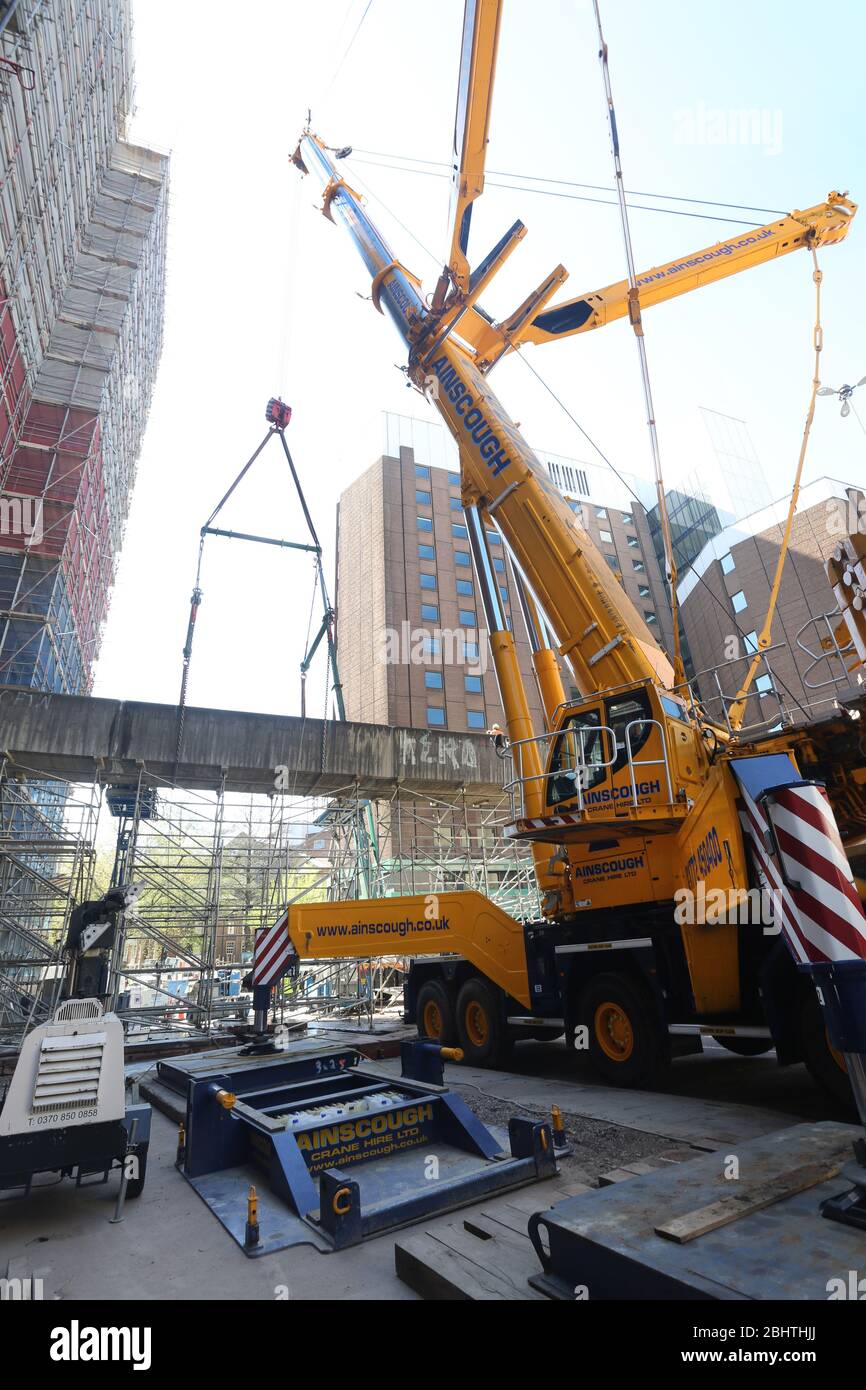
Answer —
265 297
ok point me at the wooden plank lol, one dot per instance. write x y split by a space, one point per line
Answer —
571 1189
438 1273
615 1175
539 1198
510 1218
488 1227
450 1265
731 1208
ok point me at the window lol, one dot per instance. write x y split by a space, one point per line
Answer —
503 593
475 719
433 680
649 616
459 532
628 715
627 518
578 754
638 566
466 617
471 650
422 472
472 685
499 564
612 561
456 504
454 479
643 591
601 513
425 523
750 643
423 498
633 542
430 612
462 558
430 647
739 601
727 563
764 685
435 715
464 586
606 537
673 708
426 552
428 581
493 538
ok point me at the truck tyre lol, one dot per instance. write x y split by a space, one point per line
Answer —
481 1028
626 1044
434 1014
826 1065
135 1186
745 1047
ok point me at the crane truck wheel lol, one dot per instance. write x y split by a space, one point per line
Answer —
626 1045
481 1029
434 1014
826 1065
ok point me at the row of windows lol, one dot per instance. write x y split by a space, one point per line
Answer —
601 515
637 565
471 684
432 647
436 717
462 558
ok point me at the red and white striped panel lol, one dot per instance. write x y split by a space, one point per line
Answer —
827 903
272 952
785 914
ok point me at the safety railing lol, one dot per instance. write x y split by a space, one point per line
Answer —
583 772
824 627
634 762
716 706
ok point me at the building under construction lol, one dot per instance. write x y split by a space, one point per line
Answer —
82 273
83 233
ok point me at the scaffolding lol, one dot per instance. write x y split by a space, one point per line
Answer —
47 858
213 867
82 266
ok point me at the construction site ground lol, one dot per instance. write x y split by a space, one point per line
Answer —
171 1247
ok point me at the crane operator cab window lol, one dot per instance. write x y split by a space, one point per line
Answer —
594 746
580 758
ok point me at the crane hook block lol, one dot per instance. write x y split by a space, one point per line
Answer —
278 413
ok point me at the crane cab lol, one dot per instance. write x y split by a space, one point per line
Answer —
627 758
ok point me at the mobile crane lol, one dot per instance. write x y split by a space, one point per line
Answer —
633 801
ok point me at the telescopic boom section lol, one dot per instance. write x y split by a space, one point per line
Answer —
598 628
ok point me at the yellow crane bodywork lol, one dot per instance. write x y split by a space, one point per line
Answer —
684 795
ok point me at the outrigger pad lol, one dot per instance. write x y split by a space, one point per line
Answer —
340 1152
